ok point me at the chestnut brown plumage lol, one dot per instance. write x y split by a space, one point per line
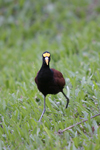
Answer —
49 80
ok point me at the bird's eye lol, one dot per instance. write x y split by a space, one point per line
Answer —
46 55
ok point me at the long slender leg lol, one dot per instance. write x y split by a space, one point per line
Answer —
66 99
43 110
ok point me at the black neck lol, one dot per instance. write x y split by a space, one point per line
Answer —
45 66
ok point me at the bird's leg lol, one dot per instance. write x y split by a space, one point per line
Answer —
43 110
66 99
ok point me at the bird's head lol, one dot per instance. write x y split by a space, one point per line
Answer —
46 58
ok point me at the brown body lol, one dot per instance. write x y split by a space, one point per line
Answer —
53 85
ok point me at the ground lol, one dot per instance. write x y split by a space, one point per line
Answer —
70 31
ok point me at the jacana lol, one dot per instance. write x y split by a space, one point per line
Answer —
49 80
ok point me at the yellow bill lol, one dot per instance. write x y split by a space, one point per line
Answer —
47 60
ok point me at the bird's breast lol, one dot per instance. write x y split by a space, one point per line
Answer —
45 76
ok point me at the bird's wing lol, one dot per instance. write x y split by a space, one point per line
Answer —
58 77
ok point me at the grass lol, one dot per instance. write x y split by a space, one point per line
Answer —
70 31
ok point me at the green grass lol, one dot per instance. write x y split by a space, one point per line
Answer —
70 31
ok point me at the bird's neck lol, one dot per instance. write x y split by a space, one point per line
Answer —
45 74
45 66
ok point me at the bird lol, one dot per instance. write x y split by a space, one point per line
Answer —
49 80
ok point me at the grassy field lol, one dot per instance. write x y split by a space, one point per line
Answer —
70 31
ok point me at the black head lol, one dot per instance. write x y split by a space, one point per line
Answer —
46 58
